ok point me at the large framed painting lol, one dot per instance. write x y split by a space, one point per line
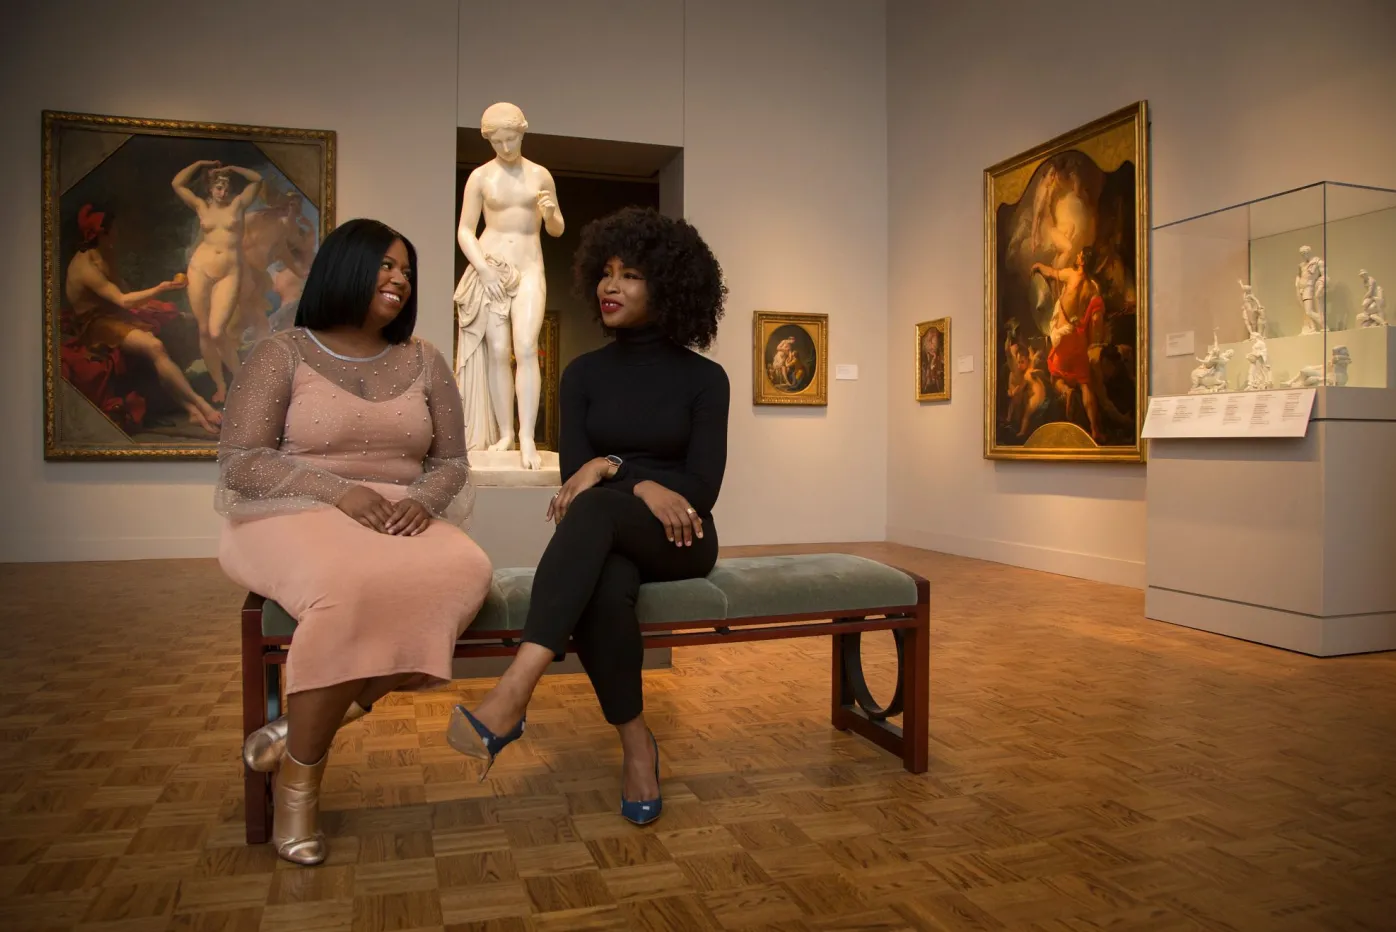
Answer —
169 249
932 360
1066 269
790 363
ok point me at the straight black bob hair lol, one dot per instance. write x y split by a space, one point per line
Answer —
344 278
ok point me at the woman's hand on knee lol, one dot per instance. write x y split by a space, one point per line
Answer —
410 518
589 475
367 507
680 520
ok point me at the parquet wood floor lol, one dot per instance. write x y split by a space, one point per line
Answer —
1089 770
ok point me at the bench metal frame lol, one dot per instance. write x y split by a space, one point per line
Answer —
852 705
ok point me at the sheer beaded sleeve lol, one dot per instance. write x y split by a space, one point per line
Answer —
255 477
445 483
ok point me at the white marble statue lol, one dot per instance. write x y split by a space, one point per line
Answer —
1210 377
1373 313
1312 376
1258 377
1252 312
1309 285
500 299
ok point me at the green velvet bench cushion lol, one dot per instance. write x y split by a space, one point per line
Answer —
814 584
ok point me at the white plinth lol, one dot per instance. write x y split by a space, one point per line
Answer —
1286 542
504 469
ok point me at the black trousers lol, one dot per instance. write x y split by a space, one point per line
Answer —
585 586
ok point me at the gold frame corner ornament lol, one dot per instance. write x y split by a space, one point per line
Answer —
1044 449
814 394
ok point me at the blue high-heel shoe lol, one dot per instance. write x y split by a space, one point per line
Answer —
469 737
644 811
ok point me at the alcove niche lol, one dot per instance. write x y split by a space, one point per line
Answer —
594 177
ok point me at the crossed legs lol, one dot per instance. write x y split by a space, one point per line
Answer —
584 591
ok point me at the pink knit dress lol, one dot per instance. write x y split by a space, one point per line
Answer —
302 427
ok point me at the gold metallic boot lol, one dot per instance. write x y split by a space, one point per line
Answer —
264 747
296 831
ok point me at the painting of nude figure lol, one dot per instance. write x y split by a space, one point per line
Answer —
1066 295
169 250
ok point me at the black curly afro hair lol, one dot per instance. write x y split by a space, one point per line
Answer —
683 277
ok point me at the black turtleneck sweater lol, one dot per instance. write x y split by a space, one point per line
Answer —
658 406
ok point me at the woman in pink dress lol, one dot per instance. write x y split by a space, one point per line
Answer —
344 481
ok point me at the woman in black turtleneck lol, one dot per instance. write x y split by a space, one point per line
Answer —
643 450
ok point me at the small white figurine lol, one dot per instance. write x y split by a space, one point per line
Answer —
1312 376
1252 312
1258 378
1373 313
1210 377
1309 285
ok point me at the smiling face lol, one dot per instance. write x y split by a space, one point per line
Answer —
624 296
392 289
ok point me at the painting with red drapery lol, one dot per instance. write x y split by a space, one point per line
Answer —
169 250
1066 250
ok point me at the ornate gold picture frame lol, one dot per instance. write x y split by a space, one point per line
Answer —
790 364
169 249
933 360
1066 292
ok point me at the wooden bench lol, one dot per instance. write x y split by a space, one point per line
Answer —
743 599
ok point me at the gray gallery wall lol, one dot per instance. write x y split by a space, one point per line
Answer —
751 90
1247 100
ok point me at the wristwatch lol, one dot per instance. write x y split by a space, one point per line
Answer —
615 461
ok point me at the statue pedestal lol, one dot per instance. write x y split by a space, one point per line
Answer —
504 469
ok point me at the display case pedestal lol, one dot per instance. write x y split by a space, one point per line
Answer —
1290 543
1372 350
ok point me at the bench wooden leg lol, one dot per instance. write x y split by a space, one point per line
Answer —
839 713
256 794
853 708
916 696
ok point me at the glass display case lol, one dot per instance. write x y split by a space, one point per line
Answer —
1284 291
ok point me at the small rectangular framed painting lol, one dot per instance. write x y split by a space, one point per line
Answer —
790 363
932 360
